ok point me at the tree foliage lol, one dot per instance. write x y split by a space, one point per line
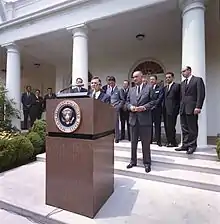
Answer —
7 110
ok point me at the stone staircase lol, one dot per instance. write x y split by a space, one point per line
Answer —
200 170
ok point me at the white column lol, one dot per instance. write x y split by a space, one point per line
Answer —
193 50
13 78
80 54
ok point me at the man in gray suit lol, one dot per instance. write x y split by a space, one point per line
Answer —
139 104
117 101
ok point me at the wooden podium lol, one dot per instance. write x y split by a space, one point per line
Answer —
80 165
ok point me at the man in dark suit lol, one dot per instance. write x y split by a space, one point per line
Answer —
105 87
96 91
139 104
192 99
124 113
171 106
117 101
48 96
79 87
157 95
27 100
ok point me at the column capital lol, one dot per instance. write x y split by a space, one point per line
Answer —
186 5
80 29
12 47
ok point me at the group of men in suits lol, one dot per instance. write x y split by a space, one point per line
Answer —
34 104
147 103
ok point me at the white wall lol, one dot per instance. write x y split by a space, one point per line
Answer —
41 77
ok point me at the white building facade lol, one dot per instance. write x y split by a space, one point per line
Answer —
46 43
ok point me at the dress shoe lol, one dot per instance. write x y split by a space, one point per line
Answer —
191 151
116 141
181 149
159 144
131 164
147 168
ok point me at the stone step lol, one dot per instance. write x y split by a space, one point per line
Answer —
207 153
180 177
174 170
173 162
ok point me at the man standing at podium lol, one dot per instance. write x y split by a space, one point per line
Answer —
139 104
96 91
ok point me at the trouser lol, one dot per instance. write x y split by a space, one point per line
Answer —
170 128
156 118
27 113
145 135
124 117
189 126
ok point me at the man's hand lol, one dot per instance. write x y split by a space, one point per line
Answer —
133 108
197 111
140 109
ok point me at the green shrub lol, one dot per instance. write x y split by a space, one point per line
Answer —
40 127
23 147
218 147
8 154
36 141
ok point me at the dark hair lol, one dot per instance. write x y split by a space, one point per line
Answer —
189 68
28 86
37 90
112 78
96 77
154 76
127 81
49 88
170 73
79 79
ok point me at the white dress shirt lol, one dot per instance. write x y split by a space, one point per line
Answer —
141 86
96 94
169 86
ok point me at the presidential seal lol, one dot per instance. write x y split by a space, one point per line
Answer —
67 116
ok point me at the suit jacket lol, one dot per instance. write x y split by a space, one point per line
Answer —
143 99
171 103
104 88
47 97
192 95
125 95
157 95
37 106
117 98
27 101
76 90
105 98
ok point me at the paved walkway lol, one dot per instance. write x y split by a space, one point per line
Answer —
10 218
135 201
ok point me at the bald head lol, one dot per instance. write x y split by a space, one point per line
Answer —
137 77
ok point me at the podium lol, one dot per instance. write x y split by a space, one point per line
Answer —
79 156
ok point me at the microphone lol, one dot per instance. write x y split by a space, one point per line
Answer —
60 91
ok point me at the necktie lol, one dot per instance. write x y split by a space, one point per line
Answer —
112 91
93 96
186 84
138 90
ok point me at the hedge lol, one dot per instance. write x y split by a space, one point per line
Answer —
218 148
20 148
